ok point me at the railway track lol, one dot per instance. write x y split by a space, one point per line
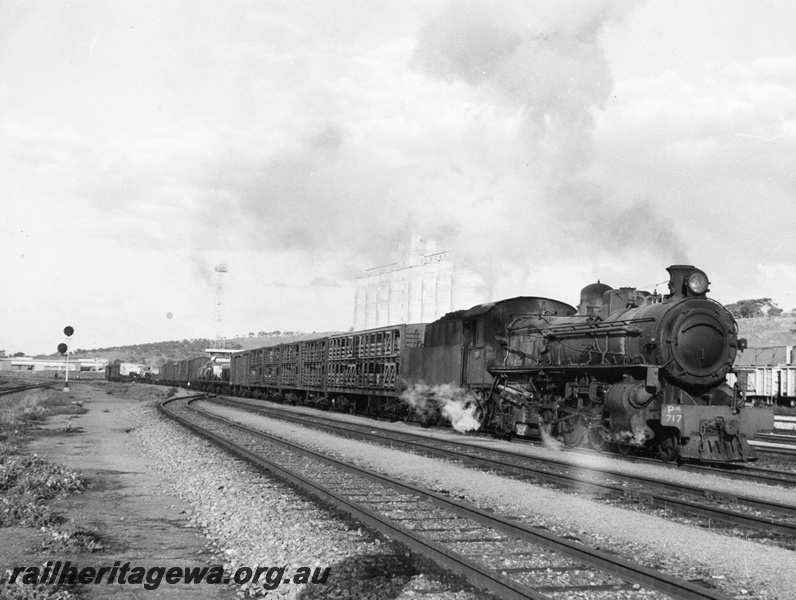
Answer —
745 472
770 518
779 442
504 556
23 388
775 443
742 472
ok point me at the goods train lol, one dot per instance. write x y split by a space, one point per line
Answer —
625 370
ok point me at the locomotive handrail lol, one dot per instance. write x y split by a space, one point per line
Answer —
522 354
628 329
625 326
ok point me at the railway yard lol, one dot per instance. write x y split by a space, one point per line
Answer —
393 510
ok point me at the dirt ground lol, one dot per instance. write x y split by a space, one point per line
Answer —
131 512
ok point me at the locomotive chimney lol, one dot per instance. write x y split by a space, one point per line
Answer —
677 276
686 281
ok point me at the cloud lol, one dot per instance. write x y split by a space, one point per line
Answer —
545 60
543 57
485 146
718 144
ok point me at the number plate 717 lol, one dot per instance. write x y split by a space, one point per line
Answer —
672 415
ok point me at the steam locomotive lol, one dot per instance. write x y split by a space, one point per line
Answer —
626 369
634 369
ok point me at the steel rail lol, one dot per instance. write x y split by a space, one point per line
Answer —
606 562
25 388
777 438
769 450
575 481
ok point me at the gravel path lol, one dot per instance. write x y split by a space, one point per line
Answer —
732 564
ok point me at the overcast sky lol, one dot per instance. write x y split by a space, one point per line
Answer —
550 144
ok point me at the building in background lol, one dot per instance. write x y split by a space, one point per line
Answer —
30 363
422 287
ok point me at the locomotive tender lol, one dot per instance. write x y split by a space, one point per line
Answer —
625 369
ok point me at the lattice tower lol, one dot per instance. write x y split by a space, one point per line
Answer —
218 309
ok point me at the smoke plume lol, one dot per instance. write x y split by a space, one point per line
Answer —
545 60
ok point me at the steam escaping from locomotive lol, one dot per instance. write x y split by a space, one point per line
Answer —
418 398
448 401
461 414
548 439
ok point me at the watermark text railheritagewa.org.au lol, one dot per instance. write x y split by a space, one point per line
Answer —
150 578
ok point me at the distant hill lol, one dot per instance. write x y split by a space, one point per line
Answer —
157 353
761 332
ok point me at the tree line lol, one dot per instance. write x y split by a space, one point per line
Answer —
757 307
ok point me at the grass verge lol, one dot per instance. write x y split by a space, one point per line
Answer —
27 483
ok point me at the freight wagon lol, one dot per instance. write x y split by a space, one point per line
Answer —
354 371
768 374
766 384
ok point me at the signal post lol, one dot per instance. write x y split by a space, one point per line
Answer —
63 349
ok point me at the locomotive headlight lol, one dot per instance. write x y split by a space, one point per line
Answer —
697 282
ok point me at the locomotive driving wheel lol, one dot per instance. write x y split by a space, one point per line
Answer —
598 439
624 449
574 431
669 448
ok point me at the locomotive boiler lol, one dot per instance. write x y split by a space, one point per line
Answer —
631 369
